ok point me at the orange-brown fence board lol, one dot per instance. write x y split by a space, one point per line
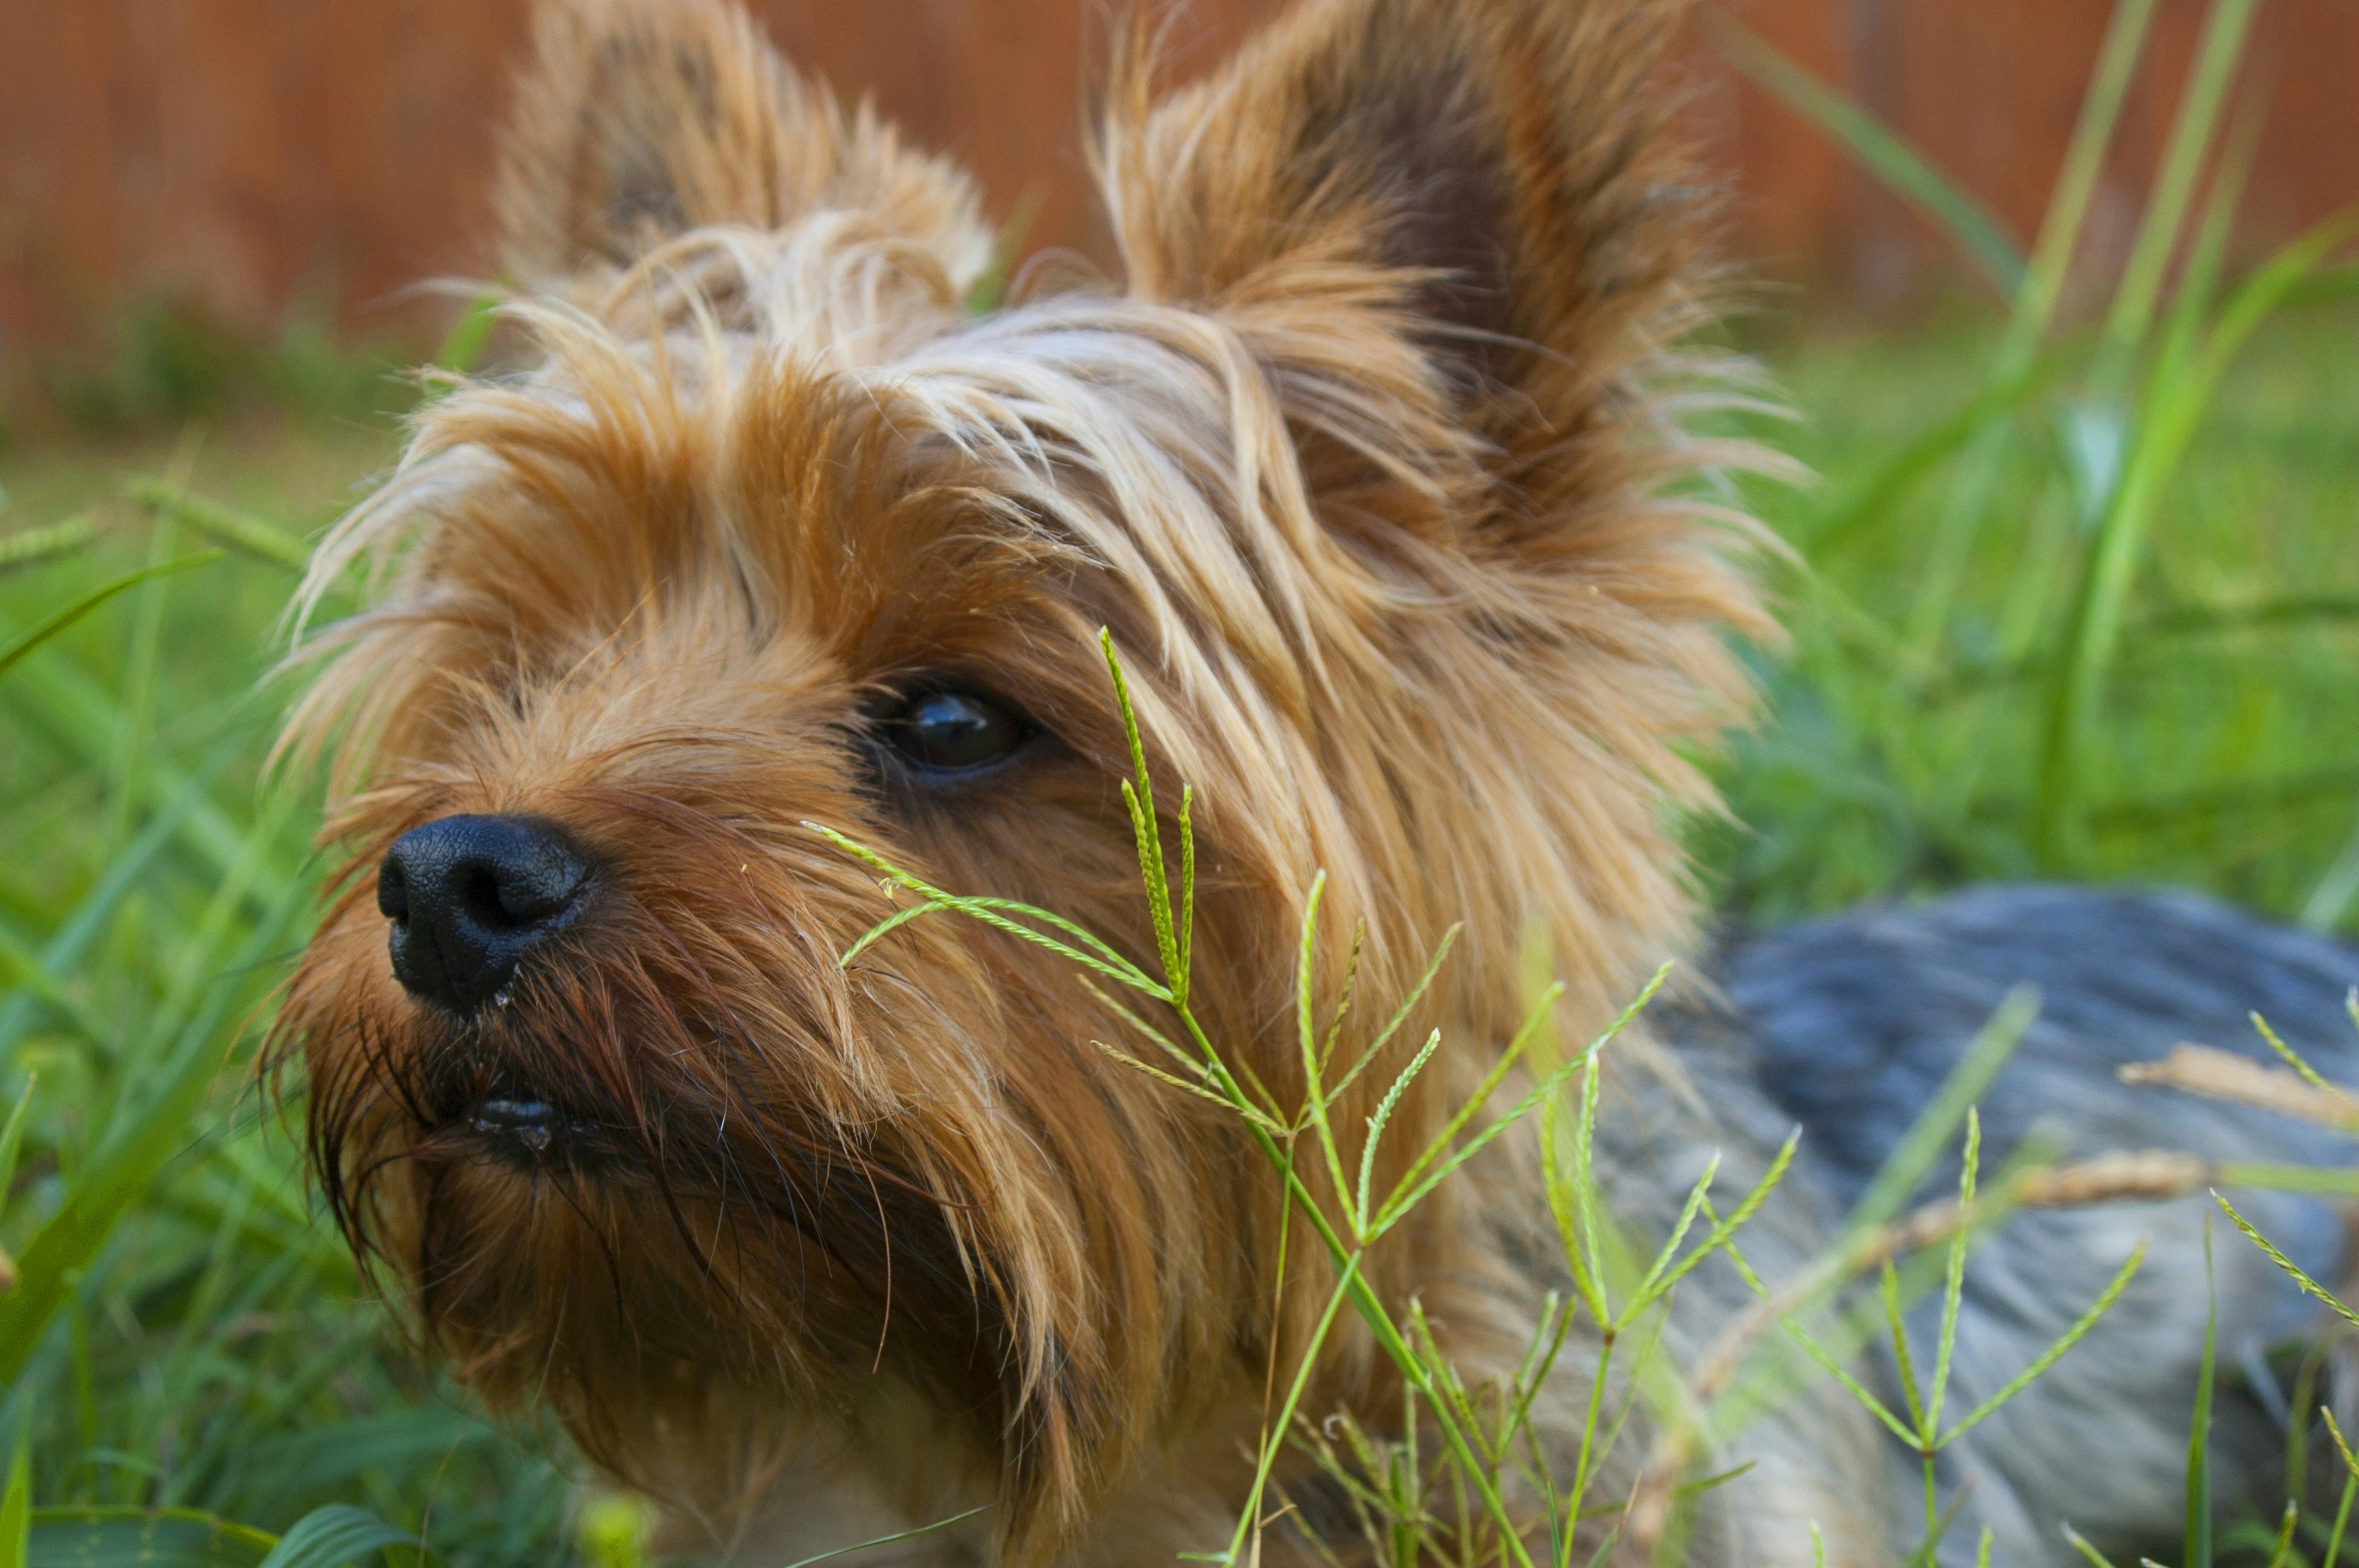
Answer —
248 155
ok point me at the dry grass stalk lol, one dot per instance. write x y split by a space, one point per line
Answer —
2224 1076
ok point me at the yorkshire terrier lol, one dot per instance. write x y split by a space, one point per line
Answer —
1373 460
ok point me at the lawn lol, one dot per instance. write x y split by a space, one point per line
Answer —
189 1335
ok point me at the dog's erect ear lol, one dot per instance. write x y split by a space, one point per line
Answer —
643 119
1503 158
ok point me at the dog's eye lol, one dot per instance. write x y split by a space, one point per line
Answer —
954 731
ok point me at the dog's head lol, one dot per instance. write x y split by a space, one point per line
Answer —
1368 460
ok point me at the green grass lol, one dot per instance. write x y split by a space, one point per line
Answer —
187 1335
2223 757
210 1347
2082 614
2072 605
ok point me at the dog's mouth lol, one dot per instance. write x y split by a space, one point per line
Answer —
529 1123
518 1125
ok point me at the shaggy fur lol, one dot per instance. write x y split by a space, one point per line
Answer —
1371 458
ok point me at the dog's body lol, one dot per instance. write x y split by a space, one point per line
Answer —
1372 464
1852 1024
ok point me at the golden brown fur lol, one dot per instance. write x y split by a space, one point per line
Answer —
1372 459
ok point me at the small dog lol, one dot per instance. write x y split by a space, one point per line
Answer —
1372 462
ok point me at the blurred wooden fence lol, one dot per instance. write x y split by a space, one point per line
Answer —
246 154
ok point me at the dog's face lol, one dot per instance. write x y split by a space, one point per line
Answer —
1361 461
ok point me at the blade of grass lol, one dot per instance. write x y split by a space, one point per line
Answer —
2291 1057
1305 1032
462 346
2310 1287
999 914
333 1536
1252 1113
22 969
2079 1543
1898 1179
1936 1527
1138 793
2283 1548
102 1537
2337 887
1888 1292
2350 1487
2122 498
17 1504
33 547
2031 313
2054 1353
1400 1015
84 719
2327 285
1384 1114
14 653
146 648
1669 1249
2199 1434
1953 1280
126 1162
89 919
1951 206
2181 388
1723 1230
2205 93
1432 1167
1872 502
1249 1519
222 524
12 1137
2131 319
886 928
939 1524
990 286
1536 1021
2033 309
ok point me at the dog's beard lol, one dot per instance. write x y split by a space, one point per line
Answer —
698 1188
659 1177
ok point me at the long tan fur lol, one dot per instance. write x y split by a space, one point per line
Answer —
1372 459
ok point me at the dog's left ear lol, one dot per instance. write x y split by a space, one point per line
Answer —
1490 177
641 120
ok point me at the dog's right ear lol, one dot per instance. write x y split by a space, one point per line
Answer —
641 120
1491 182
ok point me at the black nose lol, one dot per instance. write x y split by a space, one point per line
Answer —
468 895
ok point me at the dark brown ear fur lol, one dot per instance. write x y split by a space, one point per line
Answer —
1506 160
640 120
